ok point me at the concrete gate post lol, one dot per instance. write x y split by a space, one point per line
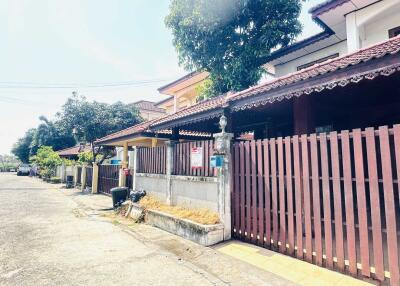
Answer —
83 177
223 147
124 164
75 173
134 168
169 167
95 178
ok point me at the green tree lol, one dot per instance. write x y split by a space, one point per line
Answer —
93 120
22 148
231 39
47 159
48 133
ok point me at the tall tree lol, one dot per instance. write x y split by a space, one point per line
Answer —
93 120
22 148
49 133
231 39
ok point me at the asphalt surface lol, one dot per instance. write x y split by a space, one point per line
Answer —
51 237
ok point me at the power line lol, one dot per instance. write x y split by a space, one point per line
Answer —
32 85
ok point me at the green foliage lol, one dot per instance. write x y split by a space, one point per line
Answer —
49 133
55 180
85 157
47 160
231 39
8 162
22 148
93 120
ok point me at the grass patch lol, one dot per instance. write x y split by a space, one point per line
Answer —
202 216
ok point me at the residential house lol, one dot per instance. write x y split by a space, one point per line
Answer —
148 110
320 180
73 152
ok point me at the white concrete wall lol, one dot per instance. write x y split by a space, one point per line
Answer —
195 192
291 66
154 185
191 192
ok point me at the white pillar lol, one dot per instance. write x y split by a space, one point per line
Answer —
223 140
95 178
169 167
134 168
353 36
83 177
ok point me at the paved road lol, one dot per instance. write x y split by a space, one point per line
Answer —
47 237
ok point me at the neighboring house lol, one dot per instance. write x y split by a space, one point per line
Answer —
183 92
148 110
73 152
348 26
328 127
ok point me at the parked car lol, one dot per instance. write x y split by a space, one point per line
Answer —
23 169
12 170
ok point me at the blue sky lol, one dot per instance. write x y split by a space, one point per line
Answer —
81 42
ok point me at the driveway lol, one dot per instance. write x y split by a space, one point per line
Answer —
61 237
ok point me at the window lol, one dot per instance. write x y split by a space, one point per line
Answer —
307 65
394 32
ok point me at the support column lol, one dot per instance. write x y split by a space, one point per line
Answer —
169 168
95 178
134 168
223 147
124 165
83 177
303 115
75 172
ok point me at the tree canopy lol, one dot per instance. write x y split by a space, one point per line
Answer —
231 39
79 120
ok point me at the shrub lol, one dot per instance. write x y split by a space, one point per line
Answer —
55 180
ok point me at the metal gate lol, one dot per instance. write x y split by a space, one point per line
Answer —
330 199
89 176
108 178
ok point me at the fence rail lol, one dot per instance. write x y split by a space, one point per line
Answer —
152 160
331 199
182 160
108 178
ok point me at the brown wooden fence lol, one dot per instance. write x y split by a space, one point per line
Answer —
182 165
152 160
330 199
108 178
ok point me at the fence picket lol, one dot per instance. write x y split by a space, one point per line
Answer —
298 197
337 201
348 200
275 230
282 210
326 201
316 199
390 211
306 196
248 190
361 202
242 190
288 157
253 190
267 193
236 187
260 192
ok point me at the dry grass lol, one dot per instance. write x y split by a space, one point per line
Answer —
202 216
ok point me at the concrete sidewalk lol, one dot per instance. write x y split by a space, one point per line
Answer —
232 262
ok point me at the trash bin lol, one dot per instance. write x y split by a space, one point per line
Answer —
119 195
69 182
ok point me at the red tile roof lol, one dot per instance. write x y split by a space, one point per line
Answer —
391 46
138 128
148 105
193 109
72 151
